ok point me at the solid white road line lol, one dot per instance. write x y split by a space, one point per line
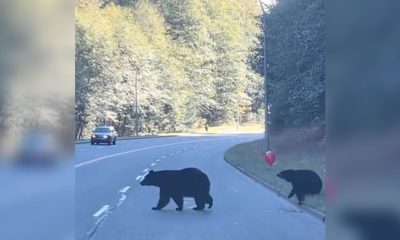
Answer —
133 151
101 211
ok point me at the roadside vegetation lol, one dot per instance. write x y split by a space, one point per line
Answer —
296 87
291 153
231 128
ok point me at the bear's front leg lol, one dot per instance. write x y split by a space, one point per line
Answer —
162 202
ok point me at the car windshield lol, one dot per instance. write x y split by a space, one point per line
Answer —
102 130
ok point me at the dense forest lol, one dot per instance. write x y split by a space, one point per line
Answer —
196 62
193 62
296 63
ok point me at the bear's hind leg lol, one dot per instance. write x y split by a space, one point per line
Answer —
291 193
209 201
179 201
200 203
300 197
162 202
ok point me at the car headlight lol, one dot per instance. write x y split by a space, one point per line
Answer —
93 136
105 136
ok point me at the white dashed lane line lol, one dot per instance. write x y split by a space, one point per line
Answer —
101 211
145 170
124 190
121 200
138 177
158 160
164 157
171 154
123 197
153 164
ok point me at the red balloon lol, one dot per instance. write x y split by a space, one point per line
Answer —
329 189
270 158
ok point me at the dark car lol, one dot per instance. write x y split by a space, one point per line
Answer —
106 134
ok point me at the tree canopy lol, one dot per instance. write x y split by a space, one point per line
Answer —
197 62
296 63
190 58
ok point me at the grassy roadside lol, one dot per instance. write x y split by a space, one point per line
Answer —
250 158
248 128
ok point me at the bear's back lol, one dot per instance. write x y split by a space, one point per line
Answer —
308 181
193 181
188 181
178 175
192 173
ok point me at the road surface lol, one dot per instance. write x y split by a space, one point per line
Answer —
111 205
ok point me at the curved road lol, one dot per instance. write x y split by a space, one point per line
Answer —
110 203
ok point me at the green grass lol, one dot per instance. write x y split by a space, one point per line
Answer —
250 158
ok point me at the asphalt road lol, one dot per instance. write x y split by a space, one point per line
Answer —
111 205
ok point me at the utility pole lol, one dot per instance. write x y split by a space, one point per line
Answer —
136 67
265 77
238 112
238 119
136 104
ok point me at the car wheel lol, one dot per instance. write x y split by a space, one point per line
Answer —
97 143
115 141
109 141
92 142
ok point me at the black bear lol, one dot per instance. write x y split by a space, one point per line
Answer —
176 184
304 182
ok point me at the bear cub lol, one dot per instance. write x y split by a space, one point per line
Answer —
304 182
177 184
